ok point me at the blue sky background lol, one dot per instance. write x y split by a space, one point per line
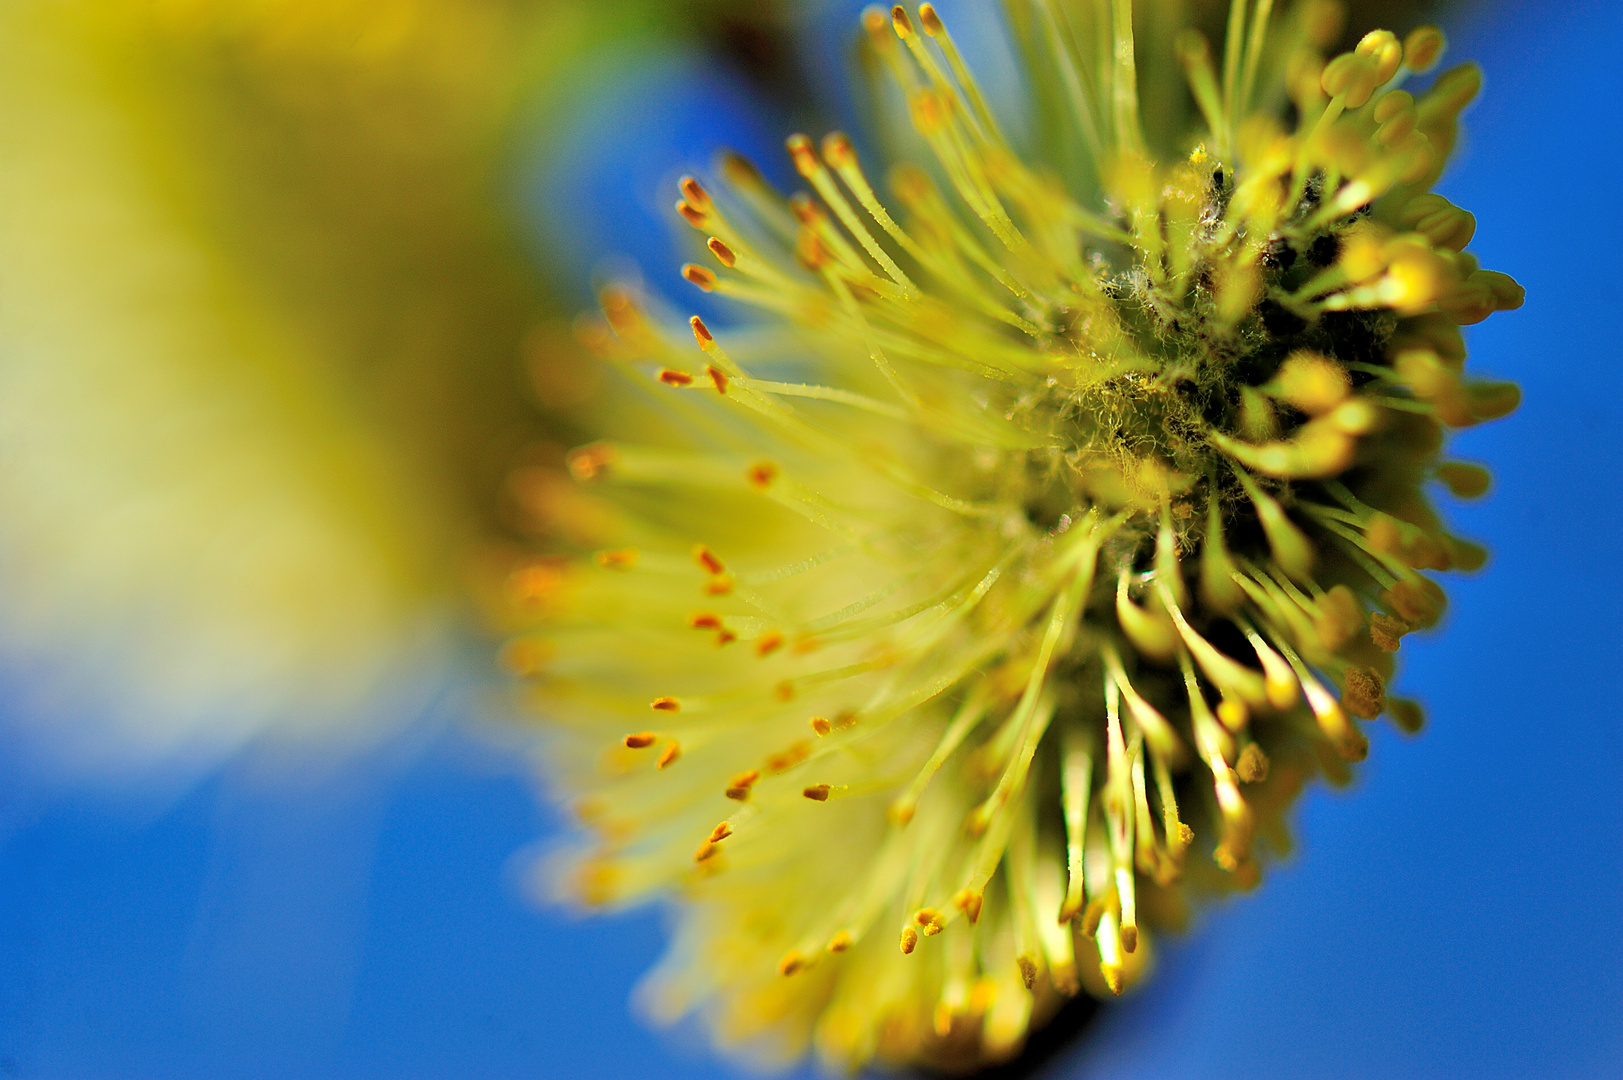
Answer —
1457 913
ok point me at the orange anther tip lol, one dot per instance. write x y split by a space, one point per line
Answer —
586 462
761 474
695 193
720 833
910 939
821 726
640 740
837 149
668 756
840 941
700 330
721 251
816 792
621 559
718 377
719 585
707 559
705 620
699 276
665 704
791 963
805 158
705 851
930 20
899 20
672 377
768 643
725 637
694 216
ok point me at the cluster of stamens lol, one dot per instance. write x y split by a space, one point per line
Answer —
999 589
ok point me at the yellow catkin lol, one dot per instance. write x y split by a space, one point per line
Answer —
1053 533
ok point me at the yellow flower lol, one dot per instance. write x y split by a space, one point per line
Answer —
989 600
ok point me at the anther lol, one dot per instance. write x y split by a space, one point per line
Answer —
816 792
719 585
707 559
718 378
1422 48
701 332
738 788
768 643
699 276
672 377
969 901
805 158
694 216
910 940
724 254
695 194
720 833
1253 765
788 759
820 726
792 962
837 150
900 21
617 559
1363 694
665 704
1386 632
932 26
931 921
705 851
1406 714
640 740
840 941
873 21
705 620
588 462
1028 969
761 474
1464 480
668 756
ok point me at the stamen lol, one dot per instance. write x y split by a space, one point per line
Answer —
738 788
1076 778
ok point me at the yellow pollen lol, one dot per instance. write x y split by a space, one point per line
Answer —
1253 764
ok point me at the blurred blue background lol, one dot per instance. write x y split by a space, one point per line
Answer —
1456 913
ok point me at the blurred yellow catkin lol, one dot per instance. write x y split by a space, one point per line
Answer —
262 314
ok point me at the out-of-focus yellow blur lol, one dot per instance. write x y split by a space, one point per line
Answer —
262 328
